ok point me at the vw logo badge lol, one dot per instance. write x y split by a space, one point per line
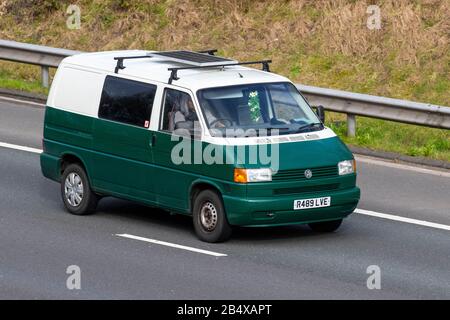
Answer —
308 174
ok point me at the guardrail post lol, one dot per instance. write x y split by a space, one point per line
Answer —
351 125
44 76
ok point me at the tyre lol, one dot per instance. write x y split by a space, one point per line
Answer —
210 220
326 226
76 192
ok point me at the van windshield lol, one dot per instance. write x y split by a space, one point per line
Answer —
257 110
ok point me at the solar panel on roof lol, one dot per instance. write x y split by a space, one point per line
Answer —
194 58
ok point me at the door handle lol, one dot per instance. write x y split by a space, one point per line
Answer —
153 140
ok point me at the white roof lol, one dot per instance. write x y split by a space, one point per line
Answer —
155 69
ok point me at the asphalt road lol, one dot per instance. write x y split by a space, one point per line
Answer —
39 240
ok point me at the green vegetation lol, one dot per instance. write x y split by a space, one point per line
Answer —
21 79
319 43
394 137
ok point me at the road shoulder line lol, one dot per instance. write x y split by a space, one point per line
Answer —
360 211
403 219
19 101
172 245
403 166
21 148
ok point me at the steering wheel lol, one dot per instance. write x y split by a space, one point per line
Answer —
214 122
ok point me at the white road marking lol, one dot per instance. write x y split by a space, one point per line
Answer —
17 147
360 211
443 173
403 219
358 158
36 104
173 245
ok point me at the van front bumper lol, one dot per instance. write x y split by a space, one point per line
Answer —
279 210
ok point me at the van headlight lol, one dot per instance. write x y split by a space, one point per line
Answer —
252 175
346 167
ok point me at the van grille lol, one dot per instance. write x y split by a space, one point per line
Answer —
299 174
295 190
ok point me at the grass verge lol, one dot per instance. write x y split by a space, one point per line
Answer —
396 137
319 43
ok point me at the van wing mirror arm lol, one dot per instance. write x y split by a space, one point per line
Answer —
320 112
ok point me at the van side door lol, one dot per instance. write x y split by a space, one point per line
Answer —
123 163
173 151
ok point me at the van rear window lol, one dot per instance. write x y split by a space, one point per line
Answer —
127 101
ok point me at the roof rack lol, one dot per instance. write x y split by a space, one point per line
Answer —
120 66
174 70
192 58
211 52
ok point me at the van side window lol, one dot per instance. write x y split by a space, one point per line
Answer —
178 111
127 101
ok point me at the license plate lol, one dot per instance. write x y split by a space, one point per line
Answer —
312 203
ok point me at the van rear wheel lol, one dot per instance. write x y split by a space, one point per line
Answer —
76 192
210 221
326 226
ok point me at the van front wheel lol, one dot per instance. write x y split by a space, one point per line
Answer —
76 192
210 221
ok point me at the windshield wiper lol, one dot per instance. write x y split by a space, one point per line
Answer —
308 126
274 128
268 130
281 130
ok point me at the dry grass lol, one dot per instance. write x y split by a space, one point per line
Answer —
317 42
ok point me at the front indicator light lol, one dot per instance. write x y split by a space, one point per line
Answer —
240 175
252 175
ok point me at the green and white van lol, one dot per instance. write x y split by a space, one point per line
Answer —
194 134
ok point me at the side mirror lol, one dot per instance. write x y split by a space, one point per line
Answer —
320 112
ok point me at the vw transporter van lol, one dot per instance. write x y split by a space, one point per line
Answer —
195 134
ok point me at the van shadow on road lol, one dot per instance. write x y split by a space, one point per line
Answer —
133 213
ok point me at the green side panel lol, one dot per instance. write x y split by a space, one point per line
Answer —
69 128
160 169
117 157
122 161
179 167
50 166
65 133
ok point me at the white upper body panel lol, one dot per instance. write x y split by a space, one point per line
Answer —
76 90
155 69
78 84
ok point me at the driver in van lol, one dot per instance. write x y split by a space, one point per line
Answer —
182 111
191 114
210 118
186 112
